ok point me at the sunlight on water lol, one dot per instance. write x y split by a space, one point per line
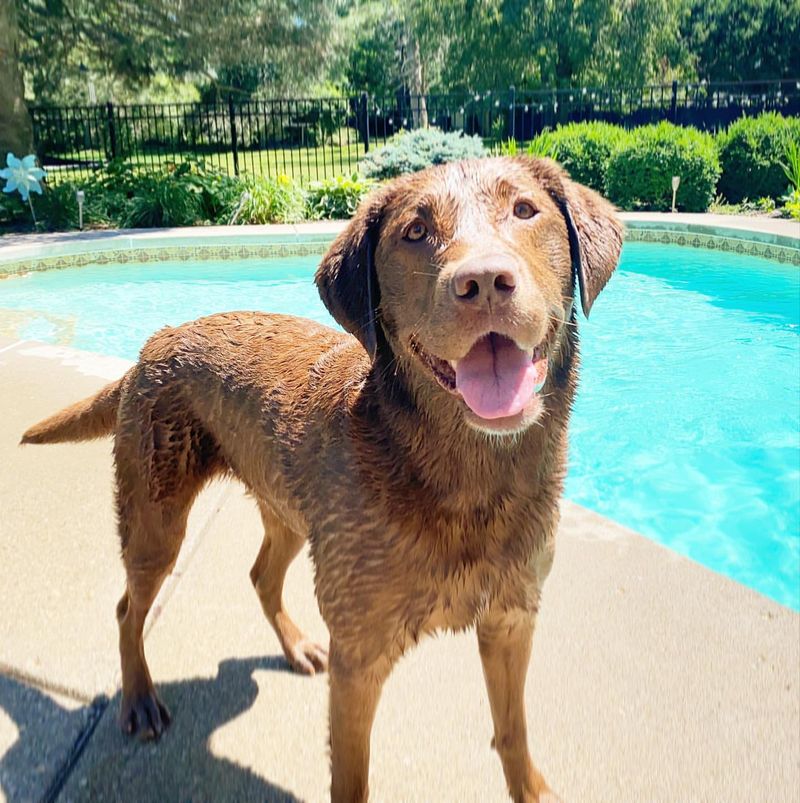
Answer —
687 424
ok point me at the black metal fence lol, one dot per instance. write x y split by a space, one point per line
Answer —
311 138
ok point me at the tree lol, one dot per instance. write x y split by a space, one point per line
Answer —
530 43
372 53
287 42
639 43
16 131
741 40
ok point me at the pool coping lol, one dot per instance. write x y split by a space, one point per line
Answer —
763 237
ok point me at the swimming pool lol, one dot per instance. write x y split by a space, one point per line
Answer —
687 424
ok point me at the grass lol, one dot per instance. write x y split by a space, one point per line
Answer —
303 164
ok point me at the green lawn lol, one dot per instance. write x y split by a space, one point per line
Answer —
301 163
304 164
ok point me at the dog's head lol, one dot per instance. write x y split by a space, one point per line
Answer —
467 272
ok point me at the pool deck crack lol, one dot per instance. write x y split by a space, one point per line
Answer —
97 708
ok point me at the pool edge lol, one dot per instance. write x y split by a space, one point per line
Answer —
766 238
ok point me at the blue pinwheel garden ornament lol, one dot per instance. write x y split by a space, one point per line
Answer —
22 176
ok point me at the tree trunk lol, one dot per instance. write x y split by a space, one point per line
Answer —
16 129
419 106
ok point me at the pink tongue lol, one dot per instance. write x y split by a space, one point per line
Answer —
497 379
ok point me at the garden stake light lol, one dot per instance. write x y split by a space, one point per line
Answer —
80 197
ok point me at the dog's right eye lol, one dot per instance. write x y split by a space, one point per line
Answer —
416 231
524 210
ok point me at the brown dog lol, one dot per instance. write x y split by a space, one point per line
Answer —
423 458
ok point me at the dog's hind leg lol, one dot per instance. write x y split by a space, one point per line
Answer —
160 469
152 535
280 547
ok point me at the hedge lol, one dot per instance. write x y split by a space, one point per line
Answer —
750 153
584 150
640 171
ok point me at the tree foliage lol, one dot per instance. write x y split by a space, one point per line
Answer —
284 43
56 51
742 40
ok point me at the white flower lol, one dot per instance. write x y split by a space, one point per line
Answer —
22 175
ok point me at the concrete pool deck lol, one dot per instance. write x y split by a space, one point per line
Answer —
653 678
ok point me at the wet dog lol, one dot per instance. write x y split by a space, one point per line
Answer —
421 455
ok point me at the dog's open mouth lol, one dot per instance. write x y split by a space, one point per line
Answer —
496 378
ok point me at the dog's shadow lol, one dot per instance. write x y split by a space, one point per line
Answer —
180 766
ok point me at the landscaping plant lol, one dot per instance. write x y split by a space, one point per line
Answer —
751 153
541 146
270 200
411 151
791 168
584 150
640 170
336 198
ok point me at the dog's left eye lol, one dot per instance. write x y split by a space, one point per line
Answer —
416 231
524 210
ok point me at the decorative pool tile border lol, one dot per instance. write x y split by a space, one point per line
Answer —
316 247
737 245
177 253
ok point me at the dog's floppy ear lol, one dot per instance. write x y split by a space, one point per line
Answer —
346 278
595 231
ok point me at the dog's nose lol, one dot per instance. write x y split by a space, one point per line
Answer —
493 280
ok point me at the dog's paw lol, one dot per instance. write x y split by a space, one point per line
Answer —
145 716
307 658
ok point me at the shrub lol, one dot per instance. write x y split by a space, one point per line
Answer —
12 210
791 204
336 198
508 147
219 192
410 151
57 209
179 194
541 146
270 200
791 165
163 200
751 151
584 149
640 170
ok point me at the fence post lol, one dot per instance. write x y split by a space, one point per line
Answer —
112 129
364 103
232 117
513 112
673 106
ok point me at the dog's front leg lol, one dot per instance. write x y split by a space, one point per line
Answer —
504 639
354 695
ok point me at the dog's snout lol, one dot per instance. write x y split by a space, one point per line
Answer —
493 280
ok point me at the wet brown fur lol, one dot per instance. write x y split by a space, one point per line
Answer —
417 521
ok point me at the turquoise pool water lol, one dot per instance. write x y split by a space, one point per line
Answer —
687 424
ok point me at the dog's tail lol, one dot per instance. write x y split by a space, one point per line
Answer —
91 418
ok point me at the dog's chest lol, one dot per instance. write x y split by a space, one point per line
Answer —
455 565
481 567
